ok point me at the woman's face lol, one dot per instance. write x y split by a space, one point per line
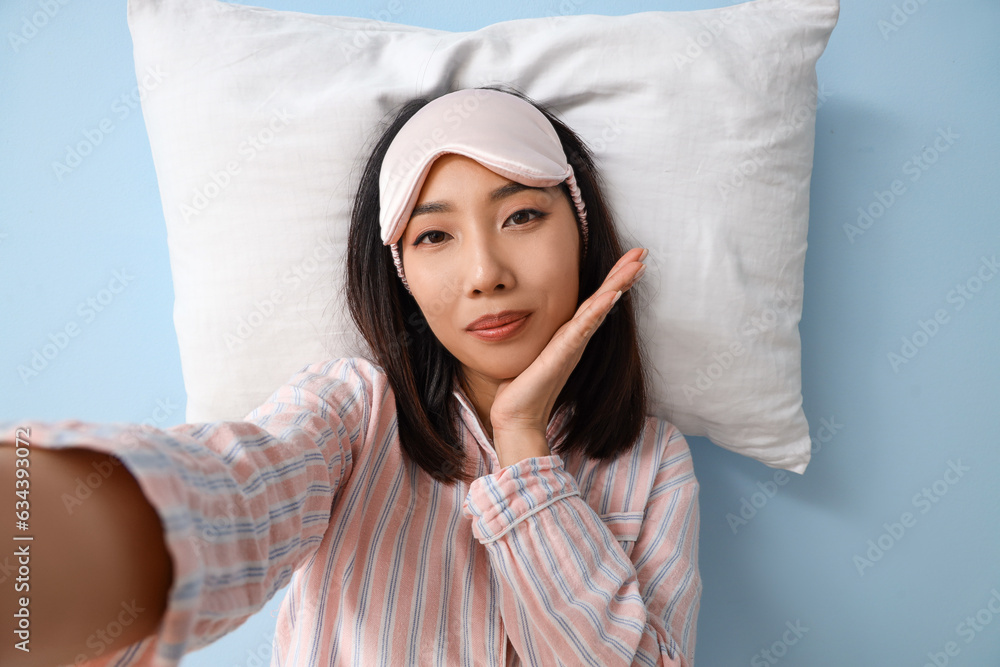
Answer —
486 244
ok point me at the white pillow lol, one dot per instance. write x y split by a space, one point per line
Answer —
702 121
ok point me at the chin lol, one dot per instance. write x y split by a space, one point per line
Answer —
502 364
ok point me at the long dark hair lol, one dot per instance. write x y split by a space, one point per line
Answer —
607 389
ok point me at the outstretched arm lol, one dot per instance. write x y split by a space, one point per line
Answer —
241 506
76 568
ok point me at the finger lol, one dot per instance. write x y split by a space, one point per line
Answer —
588 315
617 280
623 274
619 284
632 255
601 310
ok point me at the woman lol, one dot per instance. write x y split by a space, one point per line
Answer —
485 491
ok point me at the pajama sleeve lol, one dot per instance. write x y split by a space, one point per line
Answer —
570 594
243 503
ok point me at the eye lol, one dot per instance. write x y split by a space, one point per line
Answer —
537 214
520 214
424 235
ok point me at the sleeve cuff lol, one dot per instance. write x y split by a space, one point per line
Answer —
499 501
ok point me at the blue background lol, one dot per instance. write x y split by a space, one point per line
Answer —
897 430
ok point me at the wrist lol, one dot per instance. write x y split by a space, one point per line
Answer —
516 445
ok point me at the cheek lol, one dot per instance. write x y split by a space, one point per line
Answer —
560 284
436 297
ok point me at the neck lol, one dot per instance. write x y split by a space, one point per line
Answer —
481 392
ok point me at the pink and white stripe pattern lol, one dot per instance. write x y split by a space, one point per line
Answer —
550 561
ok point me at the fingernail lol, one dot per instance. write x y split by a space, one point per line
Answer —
641 271
618 295
645 251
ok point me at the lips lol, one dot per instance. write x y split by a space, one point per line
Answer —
494 320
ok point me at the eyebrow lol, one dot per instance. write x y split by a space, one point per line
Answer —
500 193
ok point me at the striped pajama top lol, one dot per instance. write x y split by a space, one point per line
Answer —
549 561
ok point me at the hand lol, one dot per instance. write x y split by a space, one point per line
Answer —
524 403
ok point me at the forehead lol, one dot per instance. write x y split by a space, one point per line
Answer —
453 169
455 177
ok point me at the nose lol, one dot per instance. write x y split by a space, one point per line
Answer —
486 264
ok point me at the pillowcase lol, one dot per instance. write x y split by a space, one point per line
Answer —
702 122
